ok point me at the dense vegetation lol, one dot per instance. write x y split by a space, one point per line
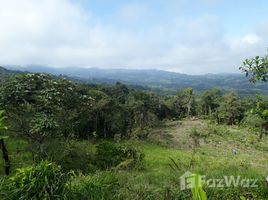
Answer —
67 140
161 82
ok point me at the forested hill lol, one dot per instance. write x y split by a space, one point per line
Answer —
158 80
5 72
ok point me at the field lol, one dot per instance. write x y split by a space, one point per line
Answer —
171 150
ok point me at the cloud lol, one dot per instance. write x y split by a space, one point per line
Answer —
62 33
132 12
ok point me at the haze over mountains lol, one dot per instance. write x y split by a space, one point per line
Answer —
152 79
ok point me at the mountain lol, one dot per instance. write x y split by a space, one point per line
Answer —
4 73
7 72
157 80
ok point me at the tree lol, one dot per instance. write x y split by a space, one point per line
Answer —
142 108
230 110
118 92
183 104
210 101
40 106
256 68
42 127
257 115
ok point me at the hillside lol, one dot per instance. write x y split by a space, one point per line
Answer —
6 72
119 143
156 79
167 158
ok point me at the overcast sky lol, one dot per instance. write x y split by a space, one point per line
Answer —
189 36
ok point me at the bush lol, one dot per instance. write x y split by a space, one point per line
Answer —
213 129
110 155
73 155
43 181
99 186
253 120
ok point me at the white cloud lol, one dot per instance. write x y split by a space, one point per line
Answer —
61 33
251 39
132 12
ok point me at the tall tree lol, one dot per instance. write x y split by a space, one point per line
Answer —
210 101
183 104
230 110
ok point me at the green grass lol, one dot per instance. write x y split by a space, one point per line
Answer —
214 158
19 154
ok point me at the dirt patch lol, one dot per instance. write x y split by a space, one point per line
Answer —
176 134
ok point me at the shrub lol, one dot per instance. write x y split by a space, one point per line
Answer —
110 155
101 186
74 155
253 120
44 181
217 130
196 136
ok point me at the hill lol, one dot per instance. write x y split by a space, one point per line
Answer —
6 72
156 80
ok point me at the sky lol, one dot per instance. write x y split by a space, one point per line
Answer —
187 36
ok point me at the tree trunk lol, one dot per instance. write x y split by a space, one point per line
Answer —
264 129
209 110
189 107
5 156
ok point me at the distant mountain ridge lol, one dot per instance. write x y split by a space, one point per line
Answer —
4 71
155 79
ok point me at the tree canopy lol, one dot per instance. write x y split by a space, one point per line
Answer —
256 68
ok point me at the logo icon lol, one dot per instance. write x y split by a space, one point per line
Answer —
190 180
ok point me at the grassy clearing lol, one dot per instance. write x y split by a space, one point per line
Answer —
214 158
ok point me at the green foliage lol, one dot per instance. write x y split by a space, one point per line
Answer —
196 136
3 145
210 101
39 102
253 120
256 116
42 124
3 127
214 129
44 104
183 104
264 114
256 68
143 108
43 181
2 119
42 127
61 117
197 190
74 155
230 110
101 186
18 153
110 155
